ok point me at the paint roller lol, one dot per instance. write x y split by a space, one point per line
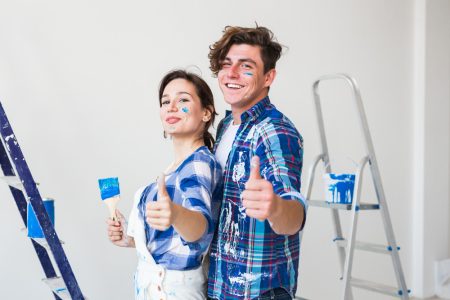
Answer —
110 193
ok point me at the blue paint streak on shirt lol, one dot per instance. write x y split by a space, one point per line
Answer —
109 187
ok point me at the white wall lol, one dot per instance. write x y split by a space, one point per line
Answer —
431 136
79 84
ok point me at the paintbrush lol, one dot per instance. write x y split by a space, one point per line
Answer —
110 193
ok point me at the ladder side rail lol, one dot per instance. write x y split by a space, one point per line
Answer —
21 203
353 229
376 177
321 125
24 173
311 175
327 167
389 231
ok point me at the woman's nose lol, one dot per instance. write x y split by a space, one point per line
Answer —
172 107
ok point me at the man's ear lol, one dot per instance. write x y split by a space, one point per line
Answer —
269 77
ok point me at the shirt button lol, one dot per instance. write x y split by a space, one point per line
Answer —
160 273
159 288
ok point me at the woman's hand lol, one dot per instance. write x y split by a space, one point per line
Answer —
117 231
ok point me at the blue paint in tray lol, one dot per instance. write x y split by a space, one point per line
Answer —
339 187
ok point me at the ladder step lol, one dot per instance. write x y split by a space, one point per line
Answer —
376 287
367 246
57 285
43 242
13 181
362 206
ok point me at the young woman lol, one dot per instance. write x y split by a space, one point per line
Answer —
173 220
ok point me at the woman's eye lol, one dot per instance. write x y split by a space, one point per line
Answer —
165 102
184 100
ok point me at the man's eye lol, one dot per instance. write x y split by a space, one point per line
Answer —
246 66
225 64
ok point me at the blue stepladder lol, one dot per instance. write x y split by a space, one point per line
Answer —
24 190
346 246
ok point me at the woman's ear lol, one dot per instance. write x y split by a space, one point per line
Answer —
207 114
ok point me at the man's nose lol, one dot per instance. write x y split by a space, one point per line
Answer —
233 71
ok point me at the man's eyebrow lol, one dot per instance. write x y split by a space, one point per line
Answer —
247 60
241 60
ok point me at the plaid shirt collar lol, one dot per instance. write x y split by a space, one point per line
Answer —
250 115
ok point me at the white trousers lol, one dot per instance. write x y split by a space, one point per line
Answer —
154 282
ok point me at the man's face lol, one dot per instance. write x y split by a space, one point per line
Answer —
242 79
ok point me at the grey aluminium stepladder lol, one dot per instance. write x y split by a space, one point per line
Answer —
347 246
23 189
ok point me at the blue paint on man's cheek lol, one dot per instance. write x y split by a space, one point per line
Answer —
248 74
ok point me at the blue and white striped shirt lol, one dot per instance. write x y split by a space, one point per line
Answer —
196 185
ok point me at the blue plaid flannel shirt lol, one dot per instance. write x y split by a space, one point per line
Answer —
247 257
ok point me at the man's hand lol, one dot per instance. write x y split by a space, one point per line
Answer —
117 231
161 214
258 197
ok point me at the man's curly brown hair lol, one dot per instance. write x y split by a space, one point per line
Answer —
259 36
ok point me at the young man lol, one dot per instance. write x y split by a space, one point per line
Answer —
255 250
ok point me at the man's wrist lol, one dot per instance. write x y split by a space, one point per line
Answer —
278 209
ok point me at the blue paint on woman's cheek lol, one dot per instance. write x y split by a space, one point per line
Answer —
185 110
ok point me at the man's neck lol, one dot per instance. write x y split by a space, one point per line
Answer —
237 111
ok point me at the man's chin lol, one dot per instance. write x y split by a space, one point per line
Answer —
234 100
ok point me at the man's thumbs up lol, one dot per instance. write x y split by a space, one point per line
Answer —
258 197
254 168
163 195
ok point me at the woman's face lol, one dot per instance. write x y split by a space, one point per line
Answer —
181 111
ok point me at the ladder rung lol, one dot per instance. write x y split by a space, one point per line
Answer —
376 287
13 181
43 242
57 285
362 206
366 246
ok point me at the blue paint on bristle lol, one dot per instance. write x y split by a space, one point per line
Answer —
109 187
185 109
